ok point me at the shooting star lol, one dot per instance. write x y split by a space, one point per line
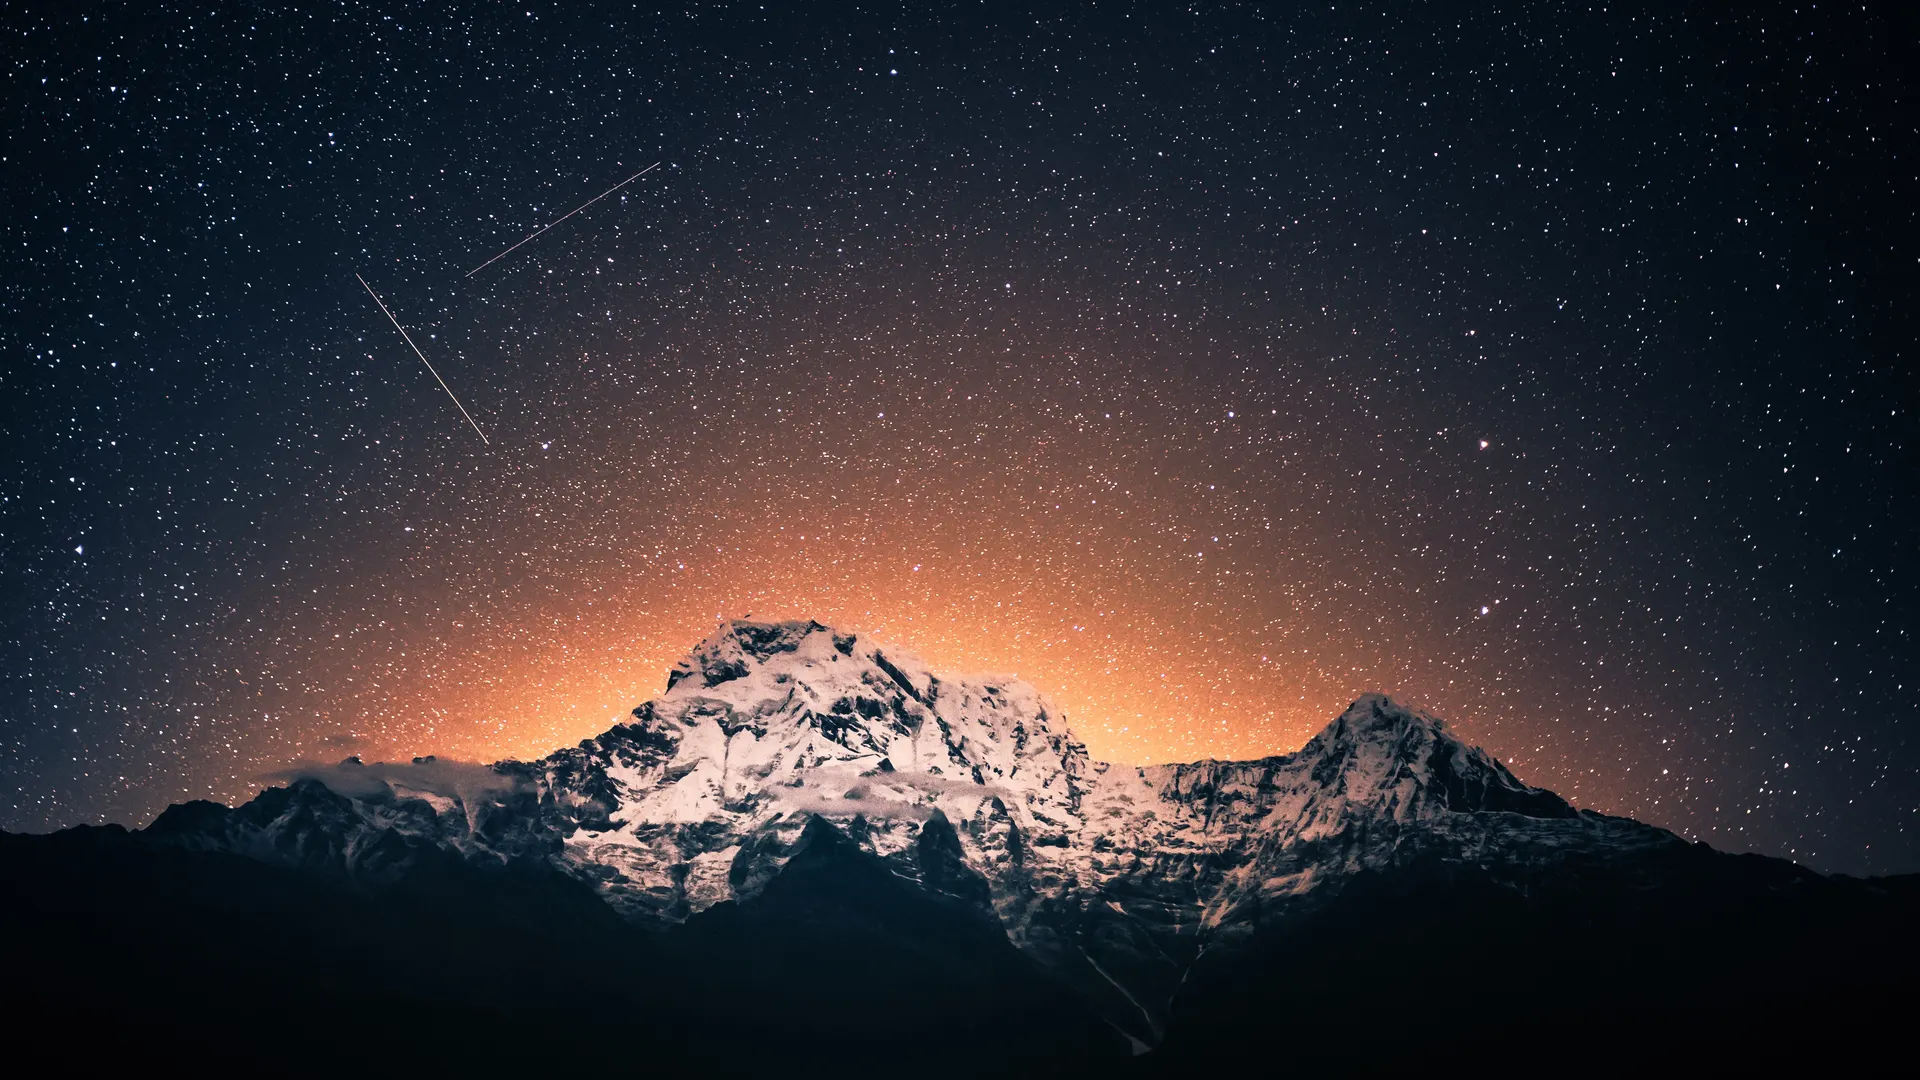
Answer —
423 358
564 217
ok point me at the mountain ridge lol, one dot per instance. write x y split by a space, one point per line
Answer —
1115 877
704 750
828 828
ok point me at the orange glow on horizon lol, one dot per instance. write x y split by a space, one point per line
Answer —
1174 578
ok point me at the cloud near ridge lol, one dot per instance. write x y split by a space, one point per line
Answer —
830 791
467 781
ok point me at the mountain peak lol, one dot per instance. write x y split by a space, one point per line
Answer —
1409 763
737 645
1381 727
1375 711
752 664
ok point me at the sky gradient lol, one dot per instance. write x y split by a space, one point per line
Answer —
1549 368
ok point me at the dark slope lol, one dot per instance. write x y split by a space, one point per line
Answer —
878 965
131 953
205 958
1698 961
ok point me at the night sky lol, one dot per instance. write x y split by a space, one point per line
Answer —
1549 366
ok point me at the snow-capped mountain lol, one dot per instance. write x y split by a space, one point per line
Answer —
1116 877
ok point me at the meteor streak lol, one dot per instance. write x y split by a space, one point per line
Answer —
423 358
564 217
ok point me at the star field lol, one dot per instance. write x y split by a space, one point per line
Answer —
1547 366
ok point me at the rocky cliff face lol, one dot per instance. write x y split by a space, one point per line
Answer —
1114 877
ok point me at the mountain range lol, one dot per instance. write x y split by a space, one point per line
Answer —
812 851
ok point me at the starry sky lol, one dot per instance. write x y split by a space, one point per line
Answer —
1547 365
